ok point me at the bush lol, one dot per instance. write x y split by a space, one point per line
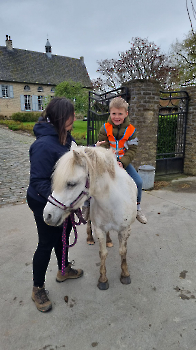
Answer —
16 125
26 116
166 141
79 131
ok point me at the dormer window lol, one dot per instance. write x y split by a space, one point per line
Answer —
40 89
27 88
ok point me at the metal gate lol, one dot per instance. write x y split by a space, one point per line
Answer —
171 133
98 111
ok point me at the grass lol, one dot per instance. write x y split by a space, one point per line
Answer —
79 131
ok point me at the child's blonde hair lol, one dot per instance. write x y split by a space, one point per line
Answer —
118 102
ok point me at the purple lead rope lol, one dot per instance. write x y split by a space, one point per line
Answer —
74 224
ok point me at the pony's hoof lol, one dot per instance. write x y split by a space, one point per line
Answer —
103 285
91 242
125 280
109 244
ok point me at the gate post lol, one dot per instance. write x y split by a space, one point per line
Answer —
143 113
190 143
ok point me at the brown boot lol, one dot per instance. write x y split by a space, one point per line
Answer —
42 302
69 274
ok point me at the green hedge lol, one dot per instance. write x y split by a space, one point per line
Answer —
26 116
166 140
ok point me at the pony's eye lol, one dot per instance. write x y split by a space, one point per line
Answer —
71 184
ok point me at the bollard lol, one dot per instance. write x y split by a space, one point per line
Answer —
147 173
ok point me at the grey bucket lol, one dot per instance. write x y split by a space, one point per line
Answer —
147 173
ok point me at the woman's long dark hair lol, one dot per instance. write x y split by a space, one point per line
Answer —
58 111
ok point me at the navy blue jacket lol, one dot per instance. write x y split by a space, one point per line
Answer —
44 153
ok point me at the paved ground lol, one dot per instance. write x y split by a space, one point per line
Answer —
155 312
14 163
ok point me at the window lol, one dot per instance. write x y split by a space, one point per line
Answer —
5 90
52 89
27 102
27 88
40 103
40 89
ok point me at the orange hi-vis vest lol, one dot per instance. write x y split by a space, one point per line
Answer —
118 145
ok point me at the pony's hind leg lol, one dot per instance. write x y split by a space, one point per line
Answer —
123 236
103 281
90 239
109 243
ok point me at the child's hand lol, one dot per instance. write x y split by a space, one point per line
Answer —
120 164
99 143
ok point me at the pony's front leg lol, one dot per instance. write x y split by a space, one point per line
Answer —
123 236
103 281
90 239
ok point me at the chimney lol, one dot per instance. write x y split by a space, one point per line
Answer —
82 60
8 42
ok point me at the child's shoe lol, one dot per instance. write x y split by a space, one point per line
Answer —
42 302
70 273
141 217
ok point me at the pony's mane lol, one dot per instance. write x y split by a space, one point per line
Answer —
100 161
64 168
95 160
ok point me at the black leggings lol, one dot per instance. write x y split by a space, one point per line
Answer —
49 237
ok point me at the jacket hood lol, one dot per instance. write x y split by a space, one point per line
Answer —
124 124
44 129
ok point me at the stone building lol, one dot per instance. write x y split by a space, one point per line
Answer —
27 77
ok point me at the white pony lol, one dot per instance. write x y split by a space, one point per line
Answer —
94 172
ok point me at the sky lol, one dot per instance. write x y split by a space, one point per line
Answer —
95 29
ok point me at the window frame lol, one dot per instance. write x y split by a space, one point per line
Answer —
27 103
40 102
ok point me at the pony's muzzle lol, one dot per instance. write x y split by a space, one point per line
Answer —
54 217
50 220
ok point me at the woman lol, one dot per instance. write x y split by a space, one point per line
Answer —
53 139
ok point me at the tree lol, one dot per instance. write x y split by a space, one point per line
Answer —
74 92
184 54
142 61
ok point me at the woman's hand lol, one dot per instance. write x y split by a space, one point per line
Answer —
99 143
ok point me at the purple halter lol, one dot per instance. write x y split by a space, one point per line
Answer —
62 206
78 212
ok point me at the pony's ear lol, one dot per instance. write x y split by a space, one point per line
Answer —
73 145
89 151
78 158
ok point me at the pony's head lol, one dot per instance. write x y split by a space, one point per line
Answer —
70 181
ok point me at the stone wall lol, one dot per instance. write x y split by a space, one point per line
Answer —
143 112
190 144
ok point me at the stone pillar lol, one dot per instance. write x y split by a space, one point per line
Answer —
190 144
143 112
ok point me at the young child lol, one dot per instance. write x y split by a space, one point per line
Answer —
119 134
